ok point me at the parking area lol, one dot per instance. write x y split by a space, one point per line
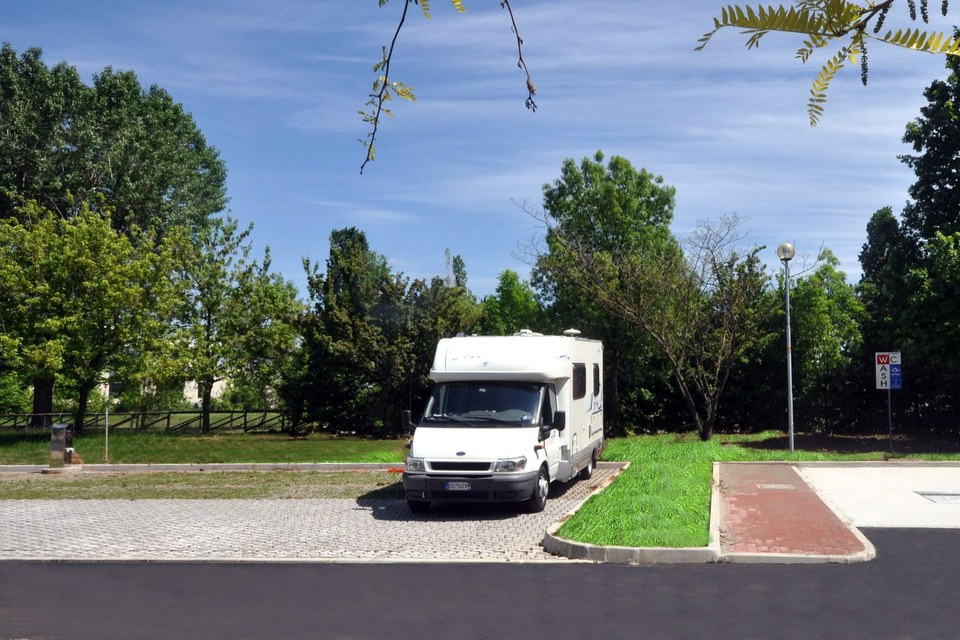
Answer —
324 530
765 516
908 495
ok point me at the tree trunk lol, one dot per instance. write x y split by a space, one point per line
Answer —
83 401
704 431
42 403
612 408
206 394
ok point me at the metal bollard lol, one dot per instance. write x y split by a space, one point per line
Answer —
58 444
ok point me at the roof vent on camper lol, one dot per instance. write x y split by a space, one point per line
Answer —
527 332
571 333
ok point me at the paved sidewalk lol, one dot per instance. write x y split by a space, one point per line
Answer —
770 514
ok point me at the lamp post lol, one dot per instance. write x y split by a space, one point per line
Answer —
786 252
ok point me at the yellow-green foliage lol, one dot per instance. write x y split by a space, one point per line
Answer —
824 21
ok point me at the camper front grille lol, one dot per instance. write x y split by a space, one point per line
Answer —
460 466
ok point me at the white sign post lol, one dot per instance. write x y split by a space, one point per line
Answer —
889 377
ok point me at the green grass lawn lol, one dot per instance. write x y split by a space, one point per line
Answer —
133 448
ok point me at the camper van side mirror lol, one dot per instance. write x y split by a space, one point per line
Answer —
560 420
405 421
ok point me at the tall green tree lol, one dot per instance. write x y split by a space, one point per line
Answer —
442 308
264 314
934 205
77 299
125 299
608 233
827 342
613 211
929 344
124 152
637 392
114 146
937 300
236 317
357 339
37 148
887 259
512 307
903 260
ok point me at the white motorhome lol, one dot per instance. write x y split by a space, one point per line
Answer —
507 416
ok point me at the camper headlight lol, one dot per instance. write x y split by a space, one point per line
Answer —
415 464
511 465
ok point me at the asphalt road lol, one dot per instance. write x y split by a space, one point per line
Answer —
909 592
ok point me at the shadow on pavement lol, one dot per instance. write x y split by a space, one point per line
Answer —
389 503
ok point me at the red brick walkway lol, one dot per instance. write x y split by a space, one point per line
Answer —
769 508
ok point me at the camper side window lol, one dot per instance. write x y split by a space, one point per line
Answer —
579 380
596 379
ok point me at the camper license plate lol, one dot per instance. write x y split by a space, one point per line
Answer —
458 486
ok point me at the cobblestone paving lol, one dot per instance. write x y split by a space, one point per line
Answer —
296 529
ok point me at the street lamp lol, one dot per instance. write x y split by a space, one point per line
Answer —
786 252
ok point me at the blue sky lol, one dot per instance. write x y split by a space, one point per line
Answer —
275 85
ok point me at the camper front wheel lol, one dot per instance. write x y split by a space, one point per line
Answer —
538 500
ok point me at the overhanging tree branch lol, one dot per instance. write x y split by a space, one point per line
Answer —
826 21
385 89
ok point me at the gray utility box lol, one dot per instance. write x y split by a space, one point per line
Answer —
58 444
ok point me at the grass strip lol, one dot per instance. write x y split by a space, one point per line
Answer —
161 448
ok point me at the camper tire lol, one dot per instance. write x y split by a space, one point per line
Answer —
418 506
587 472
538 499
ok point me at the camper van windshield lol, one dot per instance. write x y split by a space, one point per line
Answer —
484 403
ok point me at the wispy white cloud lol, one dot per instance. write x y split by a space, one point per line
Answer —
276 85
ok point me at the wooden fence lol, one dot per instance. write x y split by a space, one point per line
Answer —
156 421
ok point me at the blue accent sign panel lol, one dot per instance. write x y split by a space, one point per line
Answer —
896 376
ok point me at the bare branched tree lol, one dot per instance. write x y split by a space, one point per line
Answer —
699 301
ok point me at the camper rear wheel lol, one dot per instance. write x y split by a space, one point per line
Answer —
587 472
538 500
418 506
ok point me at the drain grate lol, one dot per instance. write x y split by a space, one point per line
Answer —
779 487
940 498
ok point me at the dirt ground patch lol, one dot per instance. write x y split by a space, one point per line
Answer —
205 485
